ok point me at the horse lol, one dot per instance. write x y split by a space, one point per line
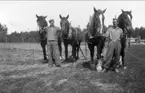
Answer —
70 36
98 40
125 23
42 23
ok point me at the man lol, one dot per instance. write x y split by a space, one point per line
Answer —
113 35
52 44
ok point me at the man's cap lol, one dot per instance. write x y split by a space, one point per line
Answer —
51 20
115 19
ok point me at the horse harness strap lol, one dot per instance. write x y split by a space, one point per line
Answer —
43 31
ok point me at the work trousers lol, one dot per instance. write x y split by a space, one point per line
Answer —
113 52
53 52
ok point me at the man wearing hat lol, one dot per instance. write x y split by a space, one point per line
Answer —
113 35
52 45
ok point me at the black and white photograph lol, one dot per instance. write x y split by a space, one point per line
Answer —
72 46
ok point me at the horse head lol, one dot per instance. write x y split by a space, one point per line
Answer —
95 22
64 24
125 22
41 22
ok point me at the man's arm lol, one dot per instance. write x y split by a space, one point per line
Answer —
107 34
57 31
46 30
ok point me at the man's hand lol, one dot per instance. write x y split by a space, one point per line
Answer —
45 28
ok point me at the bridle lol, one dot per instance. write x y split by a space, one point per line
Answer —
42 31
66 32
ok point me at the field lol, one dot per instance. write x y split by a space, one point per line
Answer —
22 71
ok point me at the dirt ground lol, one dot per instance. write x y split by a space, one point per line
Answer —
22 71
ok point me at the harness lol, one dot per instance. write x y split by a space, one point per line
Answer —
42 33
70 30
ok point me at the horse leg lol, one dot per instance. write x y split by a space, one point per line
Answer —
66 51
78 47
99 63
74 52
123 55
123 48
43 44
91 48
129 43
60 48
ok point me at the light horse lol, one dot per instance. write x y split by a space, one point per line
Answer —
42 23
125 23
70 36
94 29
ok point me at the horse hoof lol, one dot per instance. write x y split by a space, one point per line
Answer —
61 58
124 67
77 58
73 59
92 66
64 61
99 68
45 59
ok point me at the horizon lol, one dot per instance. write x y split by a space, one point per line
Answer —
21 15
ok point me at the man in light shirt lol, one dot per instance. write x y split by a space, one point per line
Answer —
113 35
52 44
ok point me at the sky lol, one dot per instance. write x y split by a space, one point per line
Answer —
21 15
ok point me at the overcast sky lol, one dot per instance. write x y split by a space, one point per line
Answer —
21 15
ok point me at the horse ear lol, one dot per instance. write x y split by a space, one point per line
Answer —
130 11
95 9
45 16
37 16
104 11
67 16
60 16
122 10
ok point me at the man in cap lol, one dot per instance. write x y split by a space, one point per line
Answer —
52 44
113 35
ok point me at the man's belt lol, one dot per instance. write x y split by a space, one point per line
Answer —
116 40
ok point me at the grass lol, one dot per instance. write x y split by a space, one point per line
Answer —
22 71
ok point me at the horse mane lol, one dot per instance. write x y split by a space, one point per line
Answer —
92 25
90 21
121 21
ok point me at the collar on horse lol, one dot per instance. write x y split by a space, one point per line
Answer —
69 29
41 30
42 33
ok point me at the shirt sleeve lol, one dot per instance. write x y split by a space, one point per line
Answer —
57 30
107 33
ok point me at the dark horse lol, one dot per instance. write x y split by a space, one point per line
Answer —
42 33
41 22
126 25
94 29
70 36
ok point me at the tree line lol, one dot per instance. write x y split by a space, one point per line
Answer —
33 36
